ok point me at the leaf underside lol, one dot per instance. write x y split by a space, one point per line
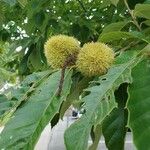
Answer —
24 128
98 104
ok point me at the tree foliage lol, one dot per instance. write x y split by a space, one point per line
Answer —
112 102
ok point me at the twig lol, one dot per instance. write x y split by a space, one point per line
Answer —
127 47
132 15
61 81
70 61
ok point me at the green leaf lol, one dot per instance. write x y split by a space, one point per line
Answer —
35 77
114 2
98 104
147 2
39 18
96 137
104 4
19 95
147 22
138 105
35 60
146 49
3 98
23 66
23 3
114 27
5 75
118 35
76 90
24 128
3 8
126 56
5 106
10 2
112 36
55 120
142 10
114 126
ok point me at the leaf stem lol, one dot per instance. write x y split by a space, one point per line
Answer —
127 47
61 81
132 15
130 45
69 61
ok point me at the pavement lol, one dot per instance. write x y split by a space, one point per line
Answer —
52 139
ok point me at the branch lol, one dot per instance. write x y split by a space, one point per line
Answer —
130 45
132 16
127 47
61 81
70 61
